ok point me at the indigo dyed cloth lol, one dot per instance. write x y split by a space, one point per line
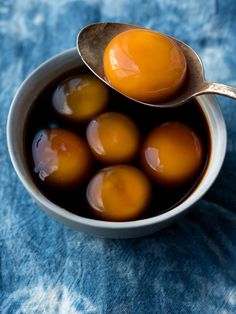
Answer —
46 268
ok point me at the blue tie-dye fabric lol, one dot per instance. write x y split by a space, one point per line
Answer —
45 267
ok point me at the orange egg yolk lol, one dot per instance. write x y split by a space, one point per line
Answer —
113 137
172 153
118 193
60 157
80 98
144 65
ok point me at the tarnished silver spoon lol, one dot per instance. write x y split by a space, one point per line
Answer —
93 39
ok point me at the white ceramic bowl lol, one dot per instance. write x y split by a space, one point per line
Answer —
19 110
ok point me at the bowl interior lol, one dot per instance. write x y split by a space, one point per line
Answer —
20 108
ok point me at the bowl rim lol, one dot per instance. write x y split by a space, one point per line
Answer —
33 190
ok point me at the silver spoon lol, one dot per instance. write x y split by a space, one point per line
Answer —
93 39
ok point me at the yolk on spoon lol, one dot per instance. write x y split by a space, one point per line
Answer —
172 153
144 65
60 157
118 193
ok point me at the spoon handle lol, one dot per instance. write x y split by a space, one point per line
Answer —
220 89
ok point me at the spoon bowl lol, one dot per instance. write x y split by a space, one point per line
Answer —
93 39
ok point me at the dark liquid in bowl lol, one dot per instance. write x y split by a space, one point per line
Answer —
73 199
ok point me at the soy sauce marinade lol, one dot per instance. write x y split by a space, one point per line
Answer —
73 199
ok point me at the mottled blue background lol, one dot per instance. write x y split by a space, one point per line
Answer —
46 267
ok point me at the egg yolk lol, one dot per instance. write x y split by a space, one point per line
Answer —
172 153
113 137
118 193
144 65
80 98
60 157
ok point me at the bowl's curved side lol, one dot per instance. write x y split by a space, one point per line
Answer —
19 110
22 102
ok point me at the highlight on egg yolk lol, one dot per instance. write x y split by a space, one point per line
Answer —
172 153
80 97
113 137
60 157
144 65
118 193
